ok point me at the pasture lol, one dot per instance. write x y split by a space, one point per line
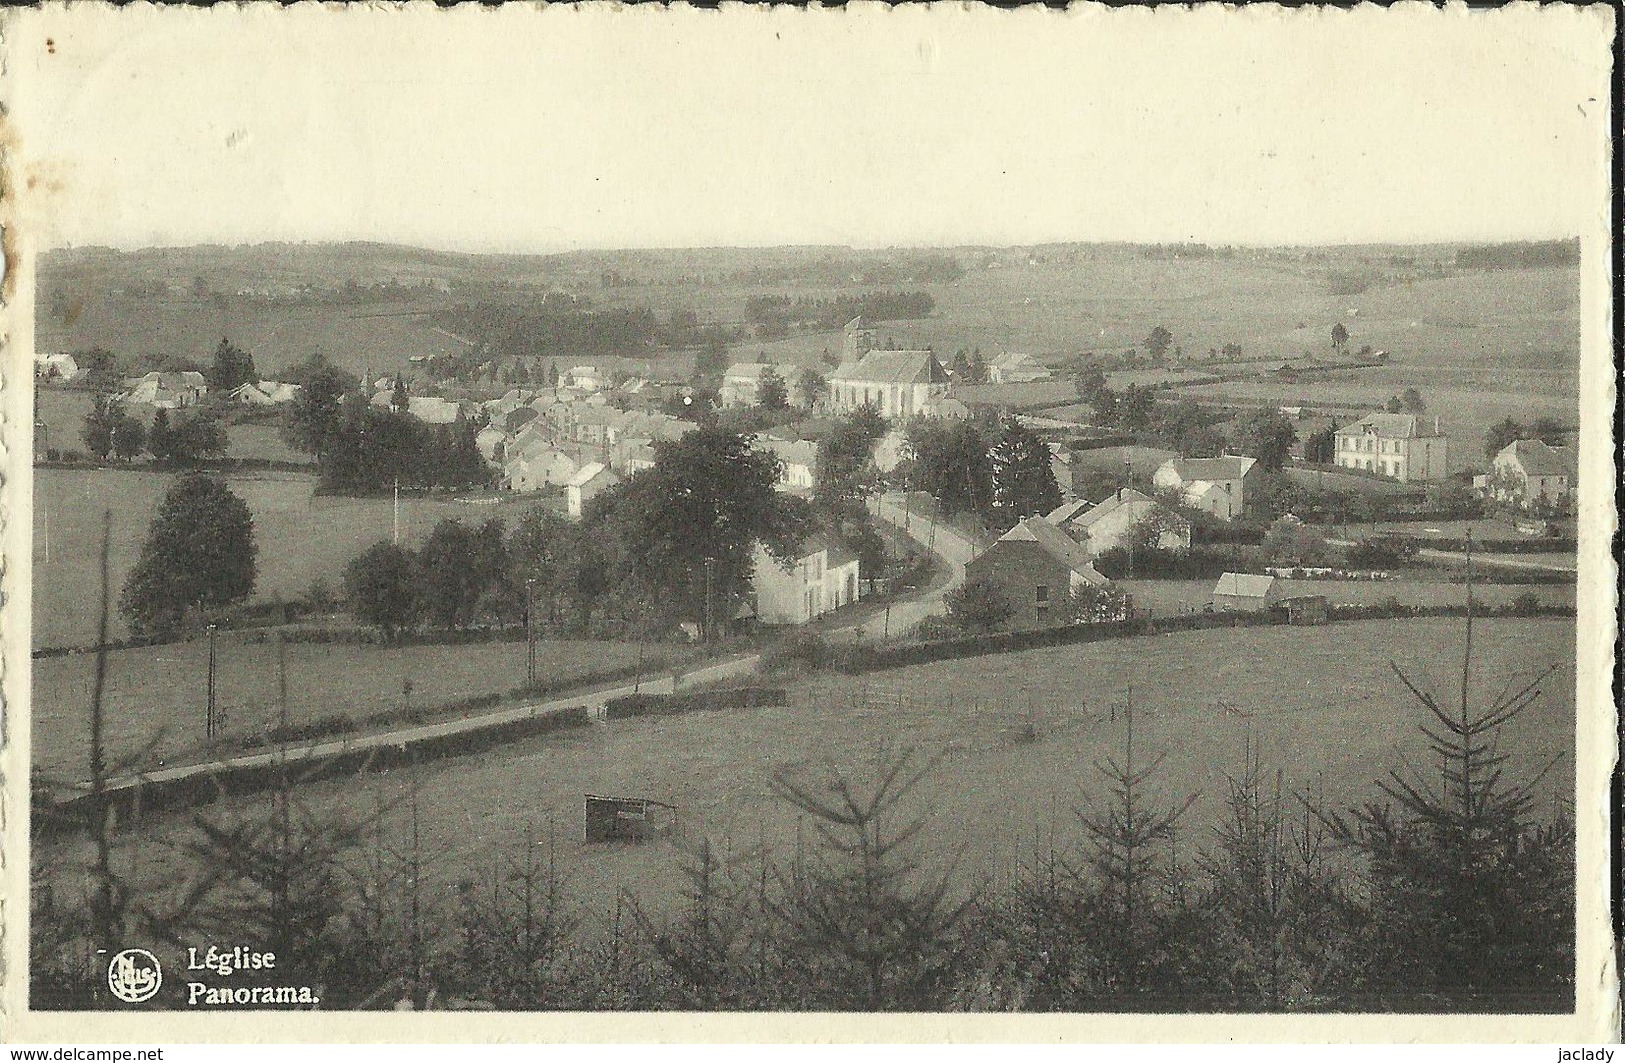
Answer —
300 535
157 695
1322 702
378 338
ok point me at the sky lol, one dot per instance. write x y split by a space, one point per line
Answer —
523 130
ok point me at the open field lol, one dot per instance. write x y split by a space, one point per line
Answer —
300 535
1322 702
61 412
158 694
378 337
1170 597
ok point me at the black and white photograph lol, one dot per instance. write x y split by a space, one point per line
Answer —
825 518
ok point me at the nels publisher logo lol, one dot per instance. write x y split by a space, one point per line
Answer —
134 975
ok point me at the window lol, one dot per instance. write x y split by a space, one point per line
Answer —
1041 596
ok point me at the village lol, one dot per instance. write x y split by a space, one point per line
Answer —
439 575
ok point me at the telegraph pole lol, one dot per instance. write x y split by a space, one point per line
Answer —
530 632
209 723
397 511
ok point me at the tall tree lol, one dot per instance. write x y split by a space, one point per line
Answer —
1157 342
1500 434
100 421
950 463
232 367
1267 435
382 585
199 553
313 416
690 524
846 470
129 437
810 386
1023 481
771 393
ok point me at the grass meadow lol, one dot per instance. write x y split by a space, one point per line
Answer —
301 536
1322 702
156 696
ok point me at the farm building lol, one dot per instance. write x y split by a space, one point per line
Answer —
537 466
589 481
264 393
1225 486
1242 592
742 383
1036 566
824 576
1305 609
1014 367
1396 445
1110 524
1530 473
167 391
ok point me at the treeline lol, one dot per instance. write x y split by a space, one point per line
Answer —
1444 890
922 269
1521 255
557 327
776 315
370 450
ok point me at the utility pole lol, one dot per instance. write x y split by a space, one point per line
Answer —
708 599
397 511
530 632
209 725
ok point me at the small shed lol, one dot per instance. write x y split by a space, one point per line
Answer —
1245 593
627 819
1306 609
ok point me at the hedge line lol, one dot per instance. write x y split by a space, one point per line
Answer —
697 701
335 725
231 780
853 660
1502 546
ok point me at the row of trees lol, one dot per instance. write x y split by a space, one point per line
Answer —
996 469
182 438
676 542
1445 890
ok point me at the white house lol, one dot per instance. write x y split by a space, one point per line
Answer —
589 481
582 378
1108 525
798 460
742 383
1224 486
62 367
536 468
264 393
1529 473
823 576
1397 445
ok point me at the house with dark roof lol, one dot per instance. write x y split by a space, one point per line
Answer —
1036 567
1398 445
896 383
1227 486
